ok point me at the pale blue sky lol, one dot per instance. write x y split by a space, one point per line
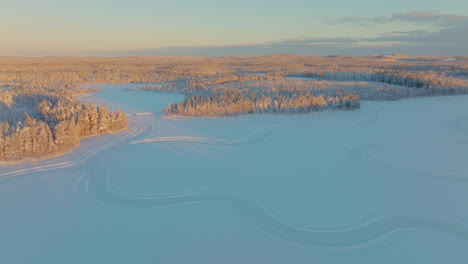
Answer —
242 27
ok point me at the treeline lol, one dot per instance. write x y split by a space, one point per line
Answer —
367 90
415 79
201 84
237 102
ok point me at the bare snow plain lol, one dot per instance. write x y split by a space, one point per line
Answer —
385 184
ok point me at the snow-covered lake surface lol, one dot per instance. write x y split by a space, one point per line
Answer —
385 184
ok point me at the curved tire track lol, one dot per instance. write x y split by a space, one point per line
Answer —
361 154
363 233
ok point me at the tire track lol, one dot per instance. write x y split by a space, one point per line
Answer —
364 232
53 164
362 154
258 136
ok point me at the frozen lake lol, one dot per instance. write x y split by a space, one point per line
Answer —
385 184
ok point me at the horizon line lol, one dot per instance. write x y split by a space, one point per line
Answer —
227 56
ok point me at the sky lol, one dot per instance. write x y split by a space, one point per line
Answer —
232 28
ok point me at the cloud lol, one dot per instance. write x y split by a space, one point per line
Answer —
416 17
427 17
448 35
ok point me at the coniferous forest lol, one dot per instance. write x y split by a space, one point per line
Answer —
41 123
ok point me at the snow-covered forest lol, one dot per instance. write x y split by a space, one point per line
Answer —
39 115
242 102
